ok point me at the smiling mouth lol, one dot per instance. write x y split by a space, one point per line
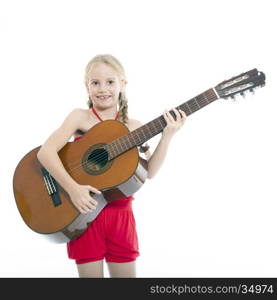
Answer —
104 97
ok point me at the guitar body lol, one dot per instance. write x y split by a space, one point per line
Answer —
47 209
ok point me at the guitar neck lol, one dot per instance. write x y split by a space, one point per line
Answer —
146 132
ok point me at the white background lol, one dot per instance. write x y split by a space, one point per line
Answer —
211 210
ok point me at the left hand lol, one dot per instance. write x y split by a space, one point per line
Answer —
173 125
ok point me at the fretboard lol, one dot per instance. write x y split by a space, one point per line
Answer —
144 133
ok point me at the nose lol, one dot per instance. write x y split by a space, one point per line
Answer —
103 87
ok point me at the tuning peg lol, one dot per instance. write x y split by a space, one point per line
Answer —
233 98
242 94
252 91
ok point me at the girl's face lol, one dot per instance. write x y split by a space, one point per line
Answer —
104 86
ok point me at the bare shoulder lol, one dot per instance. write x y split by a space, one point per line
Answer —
133 124
79 118
68 127
77 114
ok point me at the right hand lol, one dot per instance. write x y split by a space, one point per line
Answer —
81 197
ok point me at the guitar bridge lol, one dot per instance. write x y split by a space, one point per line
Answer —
51 186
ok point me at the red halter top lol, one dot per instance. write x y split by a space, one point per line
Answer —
99 118
95 112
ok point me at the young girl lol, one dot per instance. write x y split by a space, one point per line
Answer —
112 235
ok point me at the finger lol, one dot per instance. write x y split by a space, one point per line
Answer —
81 207
182 112
82 210
170 118
93 201
178 115
184 116
87 206
93 189
165 117
90 205
90 199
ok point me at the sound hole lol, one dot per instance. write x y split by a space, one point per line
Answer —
96 160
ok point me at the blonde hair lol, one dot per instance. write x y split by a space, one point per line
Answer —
117 66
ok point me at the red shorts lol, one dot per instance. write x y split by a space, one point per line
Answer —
112 235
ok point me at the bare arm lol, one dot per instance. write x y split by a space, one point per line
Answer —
48 153
49 158
157 159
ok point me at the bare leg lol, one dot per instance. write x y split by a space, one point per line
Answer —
92 269
127 269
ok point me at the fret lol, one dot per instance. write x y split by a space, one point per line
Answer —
212 95
158 124
201 100
205 98
161 124
155 126
111 150
132 138
116 147
120 145
142 131
123 143
187 111
192 105
114 151
149 129
215 92
197 102
128 142
138 136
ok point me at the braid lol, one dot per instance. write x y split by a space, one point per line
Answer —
123 107
89 102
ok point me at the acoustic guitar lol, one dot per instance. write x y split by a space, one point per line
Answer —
107 158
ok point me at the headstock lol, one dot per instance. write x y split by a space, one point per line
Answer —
247 81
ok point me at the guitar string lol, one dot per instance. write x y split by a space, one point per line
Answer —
102 156
99 158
